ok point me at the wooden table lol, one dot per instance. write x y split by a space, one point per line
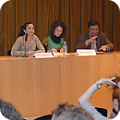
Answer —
36 86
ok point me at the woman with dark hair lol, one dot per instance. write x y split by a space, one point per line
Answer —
55 41
32 42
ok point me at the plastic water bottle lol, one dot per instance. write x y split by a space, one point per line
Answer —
65 48
94 46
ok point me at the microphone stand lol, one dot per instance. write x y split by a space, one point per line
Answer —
25 45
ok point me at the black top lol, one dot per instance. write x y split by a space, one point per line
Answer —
55 39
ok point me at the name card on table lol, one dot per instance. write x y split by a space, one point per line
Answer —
85 52
42 55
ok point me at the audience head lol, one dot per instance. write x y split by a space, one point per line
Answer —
58 28
9 111
72 115
28 27
93 27
66 107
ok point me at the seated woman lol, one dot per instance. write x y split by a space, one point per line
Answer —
55 41
18 48
85 98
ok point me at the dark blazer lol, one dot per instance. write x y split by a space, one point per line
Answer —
101 40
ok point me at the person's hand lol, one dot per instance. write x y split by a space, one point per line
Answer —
30 52
52 50
103 48
92 39
108 81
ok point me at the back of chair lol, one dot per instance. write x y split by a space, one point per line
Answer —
45 117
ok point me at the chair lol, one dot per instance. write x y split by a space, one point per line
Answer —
9 53
45 117
102 111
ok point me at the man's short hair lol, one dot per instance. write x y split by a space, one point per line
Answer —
93 23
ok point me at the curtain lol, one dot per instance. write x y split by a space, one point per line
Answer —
74 13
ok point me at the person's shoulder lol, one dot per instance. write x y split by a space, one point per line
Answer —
35 36
102 34
45 40
48 37
20 38
84 34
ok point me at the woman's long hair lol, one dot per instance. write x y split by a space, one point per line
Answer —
115 89
23 27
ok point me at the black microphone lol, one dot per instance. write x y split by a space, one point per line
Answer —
26 36
25 45
97 41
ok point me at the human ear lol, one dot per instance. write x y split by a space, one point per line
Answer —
24 30
115 101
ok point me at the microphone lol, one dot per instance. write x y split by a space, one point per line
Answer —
25 45
97 42
26 36
97 37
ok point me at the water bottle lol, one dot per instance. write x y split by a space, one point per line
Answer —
94 45
65 48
